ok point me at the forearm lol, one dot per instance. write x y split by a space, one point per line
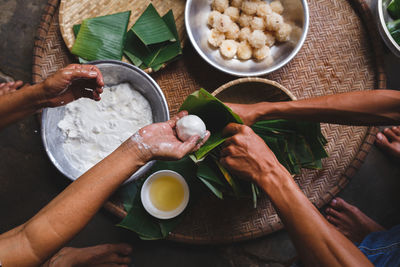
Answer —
379 107
20 104
318 243
69 212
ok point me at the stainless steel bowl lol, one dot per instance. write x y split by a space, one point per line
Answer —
383 18
114 72
196 15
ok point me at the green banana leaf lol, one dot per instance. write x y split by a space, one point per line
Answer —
394 9
101 37
150 28
215 114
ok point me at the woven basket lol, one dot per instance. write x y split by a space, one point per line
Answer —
342 53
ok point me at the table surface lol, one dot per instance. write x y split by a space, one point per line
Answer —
29 181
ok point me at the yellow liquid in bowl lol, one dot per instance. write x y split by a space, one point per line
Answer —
166 193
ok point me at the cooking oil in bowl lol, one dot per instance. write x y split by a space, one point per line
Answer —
165 194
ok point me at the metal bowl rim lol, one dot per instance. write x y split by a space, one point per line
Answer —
142 170
244 74
384 28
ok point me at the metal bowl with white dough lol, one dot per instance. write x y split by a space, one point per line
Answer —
196 15
114 72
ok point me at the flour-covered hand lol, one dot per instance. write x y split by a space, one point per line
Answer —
72 82
160 141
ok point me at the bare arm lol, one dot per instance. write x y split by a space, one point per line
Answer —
317 242
378 107
53 226
63 87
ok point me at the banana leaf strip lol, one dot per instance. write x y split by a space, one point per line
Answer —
101 37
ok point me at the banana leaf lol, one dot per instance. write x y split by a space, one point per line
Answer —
101 37
150 28
154 55
215 114
394 9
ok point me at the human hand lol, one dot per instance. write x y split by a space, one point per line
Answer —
160 141
247 112
72 82
247 155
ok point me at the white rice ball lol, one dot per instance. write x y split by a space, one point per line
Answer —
261 53
270 41
233 32
273 21
228 48
263 9
214 16
283 33
220 5
216 38
236 3
257 39
244 20
244 51
233 13
250 7
257 23
223 23
277 7
189 126
244 34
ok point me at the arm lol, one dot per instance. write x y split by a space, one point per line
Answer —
59 221
378 107
317 242
61 88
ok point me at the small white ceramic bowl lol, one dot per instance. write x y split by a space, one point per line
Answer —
149 206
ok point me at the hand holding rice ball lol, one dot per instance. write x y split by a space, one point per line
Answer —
247 28
189 126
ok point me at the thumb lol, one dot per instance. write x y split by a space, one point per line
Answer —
189 145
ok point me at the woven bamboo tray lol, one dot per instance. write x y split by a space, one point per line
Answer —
342 53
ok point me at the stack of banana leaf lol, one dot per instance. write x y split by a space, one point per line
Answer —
394 26
150 43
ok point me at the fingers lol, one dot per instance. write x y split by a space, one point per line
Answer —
396 130
232 129
203 141
188 146
390 134
172 122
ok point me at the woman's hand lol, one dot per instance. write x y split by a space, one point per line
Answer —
247 155
247 112
72 82
160 141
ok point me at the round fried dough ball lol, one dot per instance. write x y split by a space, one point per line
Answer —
244 34
261 53
277 7
270 41
233 32
233 13
283 33
263 9
250 7
236 3
273 21
257 39
214 16
244 20
244 51
257 23
228 48
220 5
223 23
216 38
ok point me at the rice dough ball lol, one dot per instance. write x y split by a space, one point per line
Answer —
283 34
244 51
236 3
233 32
277 7
250 7
228 49
214 16
223 23
273 21
270 41
244 34
233 13
189 126
216 38
261 53
257 23
220 5
263 9
257 39
244 20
